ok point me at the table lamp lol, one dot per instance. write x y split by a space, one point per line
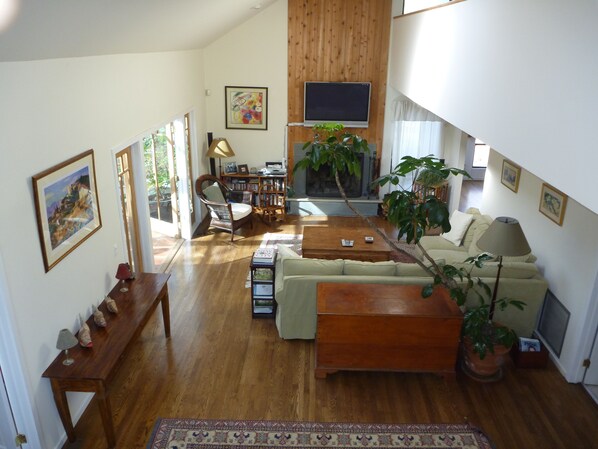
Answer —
220 148
504 237
123 273
66 340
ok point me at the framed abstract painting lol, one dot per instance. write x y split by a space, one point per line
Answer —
66 202
553 203
246 107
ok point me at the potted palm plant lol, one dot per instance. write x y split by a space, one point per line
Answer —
413 216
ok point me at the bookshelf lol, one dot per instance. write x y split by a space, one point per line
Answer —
269 193
263 304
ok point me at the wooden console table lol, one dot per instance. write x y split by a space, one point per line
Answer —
383 327
94 367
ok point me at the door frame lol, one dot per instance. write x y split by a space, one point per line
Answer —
18 389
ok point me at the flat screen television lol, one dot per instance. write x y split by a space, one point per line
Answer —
346 103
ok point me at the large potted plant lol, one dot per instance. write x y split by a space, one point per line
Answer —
414 216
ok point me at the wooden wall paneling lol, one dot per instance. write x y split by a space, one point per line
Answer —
338 40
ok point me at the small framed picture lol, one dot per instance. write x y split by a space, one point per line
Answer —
243 169
553 203
230 167
510 175
246 107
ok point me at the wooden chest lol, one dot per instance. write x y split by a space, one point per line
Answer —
385 327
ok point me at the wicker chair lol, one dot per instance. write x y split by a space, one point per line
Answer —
229 209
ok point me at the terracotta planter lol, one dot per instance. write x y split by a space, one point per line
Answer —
487 370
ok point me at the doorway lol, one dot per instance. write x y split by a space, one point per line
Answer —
159 212
8 428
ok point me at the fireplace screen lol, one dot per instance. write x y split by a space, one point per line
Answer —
321 183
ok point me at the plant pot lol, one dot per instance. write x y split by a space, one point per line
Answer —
488 369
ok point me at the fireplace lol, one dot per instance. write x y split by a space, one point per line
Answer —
307 183
321 183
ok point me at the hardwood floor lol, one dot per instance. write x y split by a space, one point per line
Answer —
221 364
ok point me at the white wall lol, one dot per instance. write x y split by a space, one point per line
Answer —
253 54
519 75
52 110
567 254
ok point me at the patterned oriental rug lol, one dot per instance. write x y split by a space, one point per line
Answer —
212 434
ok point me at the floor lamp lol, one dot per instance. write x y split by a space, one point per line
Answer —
220 148
504 237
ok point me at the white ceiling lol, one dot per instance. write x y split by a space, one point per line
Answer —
43 29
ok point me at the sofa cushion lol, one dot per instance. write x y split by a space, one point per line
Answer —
512 270
310 267
411 270
356 268
473 248
449 256
459 224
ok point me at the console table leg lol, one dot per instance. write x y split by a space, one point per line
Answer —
63 409
106 413
166 313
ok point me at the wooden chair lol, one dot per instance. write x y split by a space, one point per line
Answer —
229 209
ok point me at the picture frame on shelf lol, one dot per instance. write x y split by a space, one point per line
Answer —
230 168
243 169
553 203
67 206
246 107
510 175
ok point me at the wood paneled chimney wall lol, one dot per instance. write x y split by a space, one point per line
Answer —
338 40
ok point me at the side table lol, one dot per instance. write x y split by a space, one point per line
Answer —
263 304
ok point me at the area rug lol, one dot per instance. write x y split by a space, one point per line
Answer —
170 433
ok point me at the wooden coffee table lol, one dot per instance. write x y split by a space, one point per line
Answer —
323 242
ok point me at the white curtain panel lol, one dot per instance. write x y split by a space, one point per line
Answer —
417 133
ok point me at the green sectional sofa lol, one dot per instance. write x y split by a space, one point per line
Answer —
297 278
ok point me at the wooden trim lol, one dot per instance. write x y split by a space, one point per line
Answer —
430 8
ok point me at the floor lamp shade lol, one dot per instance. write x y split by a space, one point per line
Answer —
220 148
504 237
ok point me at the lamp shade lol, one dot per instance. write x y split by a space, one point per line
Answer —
504 237
123 272
220 148
66 340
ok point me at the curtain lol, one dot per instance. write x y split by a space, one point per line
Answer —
417 133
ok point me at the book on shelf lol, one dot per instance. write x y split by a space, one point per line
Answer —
263 302
263 289
262 274
263 309
529 344
264 255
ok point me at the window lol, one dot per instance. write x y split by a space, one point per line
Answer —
481 152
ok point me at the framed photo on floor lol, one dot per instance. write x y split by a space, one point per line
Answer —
510 175
66 203
553 203
246 107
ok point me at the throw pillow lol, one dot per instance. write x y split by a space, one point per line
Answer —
285 251
214 194
459 224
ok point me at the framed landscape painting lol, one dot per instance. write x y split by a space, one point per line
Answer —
246 107
510 175
553 203
66 202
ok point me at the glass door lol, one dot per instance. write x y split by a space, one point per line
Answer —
161 180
